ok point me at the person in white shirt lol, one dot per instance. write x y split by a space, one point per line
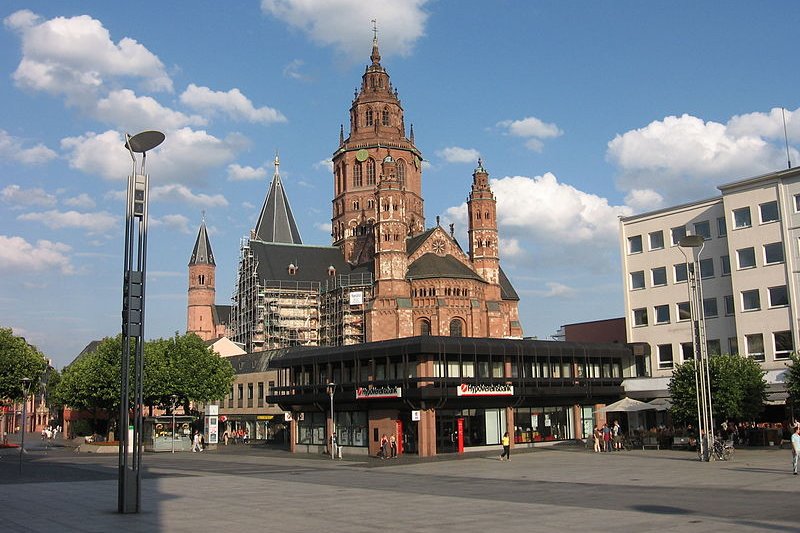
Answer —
795 449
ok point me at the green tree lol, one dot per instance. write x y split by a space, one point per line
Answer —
738 389
792 379
18 360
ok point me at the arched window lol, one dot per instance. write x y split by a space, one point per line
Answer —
401 173
385 117
357 180
201 279
370 171
355 205
368 117
424 327
456 328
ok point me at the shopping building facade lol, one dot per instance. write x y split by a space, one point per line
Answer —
747 273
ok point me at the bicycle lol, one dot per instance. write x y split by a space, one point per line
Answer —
722 450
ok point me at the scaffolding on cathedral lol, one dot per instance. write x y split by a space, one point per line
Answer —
344 299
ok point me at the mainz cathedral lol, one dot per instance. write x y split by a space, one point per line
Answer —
386 274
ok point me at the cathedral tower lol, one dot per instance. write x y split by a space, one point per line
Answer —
377 128
202 292
483 240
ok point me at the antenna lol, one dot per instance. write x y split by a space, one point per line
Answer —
786 137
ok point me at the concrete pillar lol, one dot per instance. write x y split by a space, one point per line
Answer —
426 433
293 435
577 422
510 425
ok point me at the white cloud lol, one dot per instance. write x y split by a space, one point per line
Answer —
136 113
558 290
532 129
292 71
326 164
181 193
19 197
641 200
510 248
82 201
233 104
92 222
76 56
11 149
683 158
345 24
18 255
186 155
456 154
324 226
178 223
240 173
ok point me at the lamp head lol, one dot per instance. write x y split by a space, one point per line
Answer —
691 241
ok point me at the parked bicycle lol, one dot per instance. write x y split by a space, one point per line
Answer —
722 450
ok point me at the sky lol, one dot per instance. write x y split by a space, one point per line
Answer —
581 111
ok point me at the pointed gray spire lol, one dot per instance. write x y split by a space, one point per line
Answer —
202 254
276 222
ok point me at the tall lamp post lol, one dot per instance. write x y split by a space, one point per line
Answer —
331 391
702 376
26 385
174 399
129 492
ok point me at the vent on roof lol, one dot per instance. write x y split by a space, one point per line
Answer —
292 269
331 271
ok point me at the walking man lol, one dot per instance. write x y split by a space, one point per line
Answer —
795 448
506 455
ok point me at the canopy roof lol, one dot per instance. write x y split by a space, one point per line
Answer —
626 405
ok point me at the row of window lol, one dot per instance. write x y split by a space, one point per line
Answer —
782 345
750 301
239 390
772 254
369 117
768 213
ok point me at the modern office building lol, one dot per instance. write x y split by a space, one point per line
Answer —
748 276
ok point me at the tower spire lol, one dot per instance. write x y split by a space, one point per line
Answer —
376 55
276 222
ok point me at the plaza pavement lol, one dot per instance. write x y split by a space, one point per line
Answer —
247 488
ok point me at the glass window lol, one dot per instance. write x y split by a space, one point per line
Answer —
640 317
746 257
778 296
662 314
714 347
370 171
755 346
722 229
703 229
784 345
635 244
664 356
751 300
706 268
680 272
687 351
733 345
637 280
741 218
769 211
656 240
729 307
456 327
358 179
659 276
684 311
726 265
773 253
710 307
497 369
796 203
677 234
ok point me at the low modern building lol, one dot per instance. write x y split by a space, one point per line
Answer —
433 392
748 275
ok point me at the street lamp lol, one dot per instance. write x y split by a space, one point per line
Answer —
129 492
174 399
702 377
26 384
331 390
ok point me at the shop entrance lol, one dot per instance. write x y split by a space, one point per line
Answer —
447 431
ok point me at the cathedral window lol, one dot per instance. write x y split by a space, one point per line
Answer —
456 328
401 173
370 172
478 215
368 117
424 327
370 204
357 179
487 216
385 117
355 205
201 279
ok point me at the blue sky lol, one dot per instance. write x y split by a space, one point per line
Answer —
582 111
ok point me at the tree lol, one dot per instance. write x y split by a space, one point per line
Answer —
738 389
792 380
18 360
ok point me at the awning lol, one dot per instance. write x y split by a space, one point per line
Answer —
661 404
626 405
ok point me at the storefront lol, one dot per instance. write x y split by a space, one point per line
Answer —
437 394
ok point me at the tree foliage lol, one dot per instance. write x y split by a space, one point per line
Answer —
792 379
738 389
18 360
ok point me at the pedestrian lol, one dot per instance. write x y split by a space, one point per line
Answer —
393 445
795 448
196 443
598 436
606 438
334 445
616 432
506 455
384 453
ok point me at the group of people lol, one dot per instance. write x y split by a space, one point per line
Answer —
388 449
236 436
50 433
198 442
607 438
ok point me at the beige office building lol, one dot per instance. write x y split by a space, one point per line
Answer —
748 267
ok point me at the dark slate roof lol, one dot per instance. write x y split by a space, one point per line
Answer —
507 291
222 314
312 262
412 243
202 254
256 361
434 266
276 222
91 347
